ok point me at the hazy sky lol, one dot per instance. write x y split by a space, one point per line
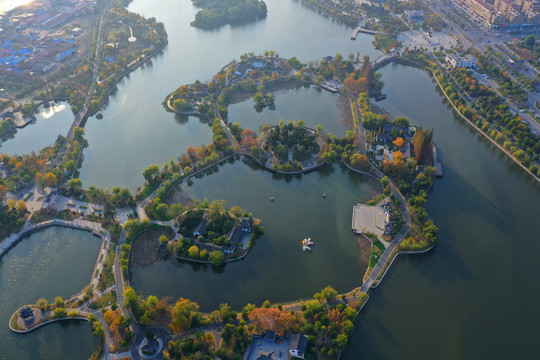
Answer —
6 5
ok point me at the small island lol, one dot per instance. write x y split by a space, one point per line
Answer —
214 235
292 146
216 13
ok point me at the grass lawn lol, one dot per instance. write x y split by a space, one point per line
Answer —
376 251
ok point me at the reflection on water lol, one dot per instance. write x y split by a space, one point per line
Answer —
52 119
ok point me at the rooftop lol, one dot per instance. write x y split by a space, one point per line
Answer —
260 346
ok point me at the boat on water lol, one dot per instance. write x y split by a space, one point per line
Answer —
306 248
307 241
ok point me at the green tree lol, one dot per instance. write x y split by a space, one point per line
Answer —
183 314
150 173
59 313
529 41
59 302
216 258
226 313
132 300
163 239
328 294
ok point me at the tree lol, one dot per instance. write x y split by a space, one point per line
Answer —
11 204
423 146
21 206
50 179
59 302
132 300
359 161
217 258
328 293
341 341
399 142
150 173
237 211
183 314
193 252
162 210
75 183
273 319
3 191
529 41
163 239
226 313
59 313
42 304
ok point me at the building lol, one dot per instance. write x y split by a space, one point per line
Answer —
298 345
200 229
481 10
458 61
245 224
271 346
503 12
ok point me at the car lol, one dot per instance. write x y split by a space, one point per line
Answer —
522 111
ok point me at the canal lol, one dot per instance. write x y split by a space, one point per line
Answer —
56 261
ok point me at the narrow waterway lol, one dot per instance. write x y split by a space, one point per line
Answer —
276 269
51 120
136 132
53 262
473 296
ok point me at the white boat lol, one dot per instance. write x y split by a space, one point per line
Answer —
306 248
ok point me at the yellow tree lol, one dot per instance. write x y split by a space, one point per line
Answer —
11 204
50 179
39 179
21 206
183 314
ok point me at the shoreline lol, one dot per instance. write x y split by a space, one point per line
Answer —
514 159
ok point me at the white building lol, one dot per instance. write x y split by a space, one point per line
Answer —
457 61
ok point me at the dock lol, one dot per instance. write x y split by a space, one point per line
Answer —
437 163
329 88
359 29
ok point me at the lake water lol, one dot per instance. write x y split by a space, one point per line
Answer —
310 104
50 122
473 296
56 261
136 131
276 269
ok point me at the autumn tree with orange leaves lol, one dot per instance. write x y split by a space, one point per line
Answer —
273 319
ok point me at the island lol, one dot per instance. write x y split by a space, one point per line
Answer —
216 13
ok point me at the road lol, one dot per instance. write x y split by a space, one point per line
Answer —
82 113
385 257
482 38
